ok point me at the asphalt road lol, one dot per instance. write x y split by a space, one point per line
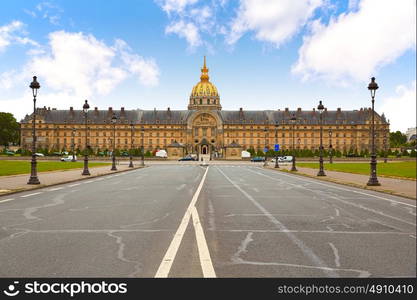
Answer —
185 220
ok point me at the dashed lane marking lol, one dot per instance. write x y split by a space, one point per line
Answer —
33 194
6 200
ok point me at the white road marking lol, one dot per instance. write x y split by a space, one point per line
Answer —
315 231
256 190
179 188
349 190
33 194
337 212
300 244
169 256
89 181
6 200
336 255
346 202
55 189
203 251
75 184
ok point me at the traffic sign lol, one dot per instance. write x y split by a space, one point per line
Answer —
265 149
276 148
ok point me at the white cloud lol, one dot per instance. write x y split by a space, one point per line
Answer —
273 21
49 11
146 69
190 20
14 33
75 66
185 30
177 6
356 44
401 109
77 63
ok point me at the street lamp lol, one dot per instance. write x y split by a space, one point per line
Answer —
266 151
73 144
113 121
330 146
276 142
85 110
131 144
373 180
320 107
293 120
34 85
142 161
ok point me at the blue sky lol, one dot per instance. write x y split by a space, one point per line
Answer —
262 54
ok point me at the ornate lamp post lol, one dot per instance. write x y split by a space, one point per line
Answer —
320 107
132 125
266 143
293 120
276 142
142 149
34 85
73 144
113 121
330 146
85 110
373 180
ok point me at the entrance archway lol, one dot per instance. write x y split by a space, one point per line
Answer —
204 149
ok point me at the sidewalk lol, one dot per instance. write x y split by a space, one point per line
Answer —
399 187
17 183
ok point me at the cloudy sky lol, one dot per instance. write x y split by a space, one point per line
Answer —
262 54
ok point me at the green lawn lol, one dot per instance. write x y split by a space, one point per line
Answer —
14 167
395 169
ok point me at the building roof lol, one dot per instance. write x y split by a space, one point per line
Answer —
168 116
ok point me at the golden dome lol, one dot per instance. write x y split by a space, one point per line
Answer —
204 88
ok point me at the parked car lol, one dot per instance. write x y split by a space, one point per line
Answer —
257 158
39 154
10 153
57 153
68 158
124 153
283 159
187 158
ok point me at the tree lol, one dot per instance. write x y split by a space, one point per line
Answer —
9 129
397 139
251 151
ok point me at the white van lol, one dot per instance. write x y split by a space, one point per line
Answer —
245 154
161 153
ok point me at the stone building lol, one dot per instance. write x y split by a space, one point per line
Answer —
204 128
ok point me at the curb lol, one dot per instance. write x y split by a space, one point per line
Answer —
364 187
40 186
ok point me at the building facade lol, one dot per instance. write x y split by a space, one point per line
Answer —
204 128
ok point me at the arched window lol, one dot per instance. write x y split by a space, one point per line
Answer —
201 101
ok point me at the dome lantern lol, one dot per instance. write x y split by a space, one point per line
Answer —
204 94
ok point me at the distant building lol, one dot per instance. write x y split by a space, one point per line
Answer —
206 129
